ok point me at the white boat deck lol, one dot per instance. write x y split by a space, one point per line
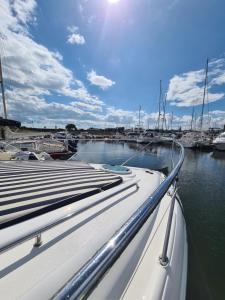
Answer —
28 272
28 186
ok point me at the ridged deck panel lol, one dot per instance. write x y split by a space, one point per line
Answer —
26 187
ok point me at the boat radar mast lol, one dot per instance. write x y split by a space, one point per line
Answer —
2 89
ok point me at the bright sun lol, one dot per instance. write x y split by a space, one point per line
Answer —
113 1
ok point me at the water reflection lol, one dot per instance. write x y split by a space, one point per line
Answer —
219 155
118 153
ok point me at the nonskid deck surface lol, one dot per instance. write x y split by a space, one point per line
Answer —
26 187
38 273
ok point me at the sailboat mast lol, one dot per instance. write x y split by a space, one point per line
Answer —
192 117
160 97
164 112
171 123
3 92
204 93
139 117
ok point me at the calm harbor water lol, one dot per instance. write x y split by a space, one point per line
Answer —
202 191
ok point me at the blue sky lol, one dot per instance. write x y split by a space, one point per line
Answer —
92 62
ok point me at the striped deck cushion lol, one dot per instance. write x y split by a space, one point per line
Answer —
35 187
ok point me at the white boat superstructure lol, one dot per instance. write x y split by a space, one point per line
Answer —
7 151
27 155
219 142
11 152
194 139
71 230
42 145
149 138
188 140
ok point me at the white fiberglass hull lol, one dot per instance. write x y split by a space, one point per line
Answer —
38 273
220 146
153 140
188 144
138 273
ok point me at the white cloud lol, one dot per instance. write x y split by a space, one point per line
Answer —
23 10
100 81
127 118
34 74
72 29
26 106
187 89
31 71
120 117
16 14
57 55
74 37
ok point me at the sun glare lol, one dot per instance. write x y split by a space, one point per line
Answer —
113 1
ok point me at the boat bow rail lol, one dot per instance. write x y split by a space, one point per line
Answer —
85 280
33 228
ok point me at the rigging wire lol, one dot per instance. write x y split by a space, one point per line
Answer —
136 154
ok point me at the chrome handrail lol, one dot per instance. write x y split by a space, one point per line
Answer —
85 280
163 259
10 241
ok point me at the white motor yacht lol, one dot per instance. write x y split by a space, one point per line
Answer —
10 152
7 151
195 139
46 145
219 142
72 230
149 138
27 155
188 140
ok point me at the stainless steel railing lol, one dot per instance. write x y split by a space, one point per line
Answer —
24 233
85 280
163 259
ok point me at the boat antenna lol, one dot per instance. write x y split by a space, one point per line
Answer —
204 93
2 89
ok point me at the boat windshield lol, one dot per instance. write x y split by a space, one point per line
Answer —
25 146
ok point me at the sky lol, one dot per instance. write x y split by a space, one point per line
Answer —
94 62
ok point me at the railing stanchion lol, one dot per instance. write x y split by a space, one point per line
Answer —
38 240
163 259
